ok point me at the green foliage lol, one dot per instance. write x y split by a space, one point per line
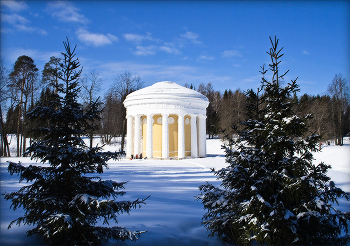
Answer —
65 200
50 72
271 193
24 70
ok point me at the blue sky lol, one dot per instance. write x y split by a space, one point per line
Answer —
222 42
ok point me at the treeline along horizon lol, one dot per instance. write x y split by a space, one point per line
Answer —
23 88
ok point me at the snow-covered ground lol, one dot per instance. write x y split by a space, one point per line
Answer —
172 215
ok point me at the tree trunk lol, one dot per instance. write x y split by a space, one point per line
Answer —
340 125
18 128
24 133
5 149
91 138
19 121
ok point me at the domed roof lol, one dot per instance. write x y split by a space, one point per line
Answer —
168 95
165 89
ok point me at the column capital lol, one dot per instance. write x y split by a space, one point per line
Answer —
181 116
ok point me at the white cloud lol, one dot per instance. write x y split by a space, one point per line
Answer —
95 39
305 52
14 19
21 23
252 79
25 28
145 50
66 12
15 5
152 73
231 53
39 57
205 57
137 38
168 49
193 37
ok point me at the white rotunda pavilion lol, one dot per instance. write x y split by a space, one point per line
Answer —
166 120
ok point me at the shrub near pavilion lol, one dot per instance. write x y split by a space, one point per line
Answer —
271 192
65 201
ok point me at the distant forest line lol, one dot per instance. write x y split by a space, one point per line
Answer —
24 87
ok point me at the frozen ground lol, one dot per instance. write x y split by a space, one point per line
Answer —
172 216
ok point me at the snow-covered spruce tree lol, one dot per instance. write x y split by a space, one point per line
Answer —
65 200
271 192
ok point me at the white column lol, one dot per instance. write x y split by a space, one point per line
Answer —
165 136
202 149
181 137
149 140
137 136
194 148
129 139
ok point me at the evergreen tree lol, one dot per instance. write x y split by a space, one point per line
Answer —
65 199
12 119
22 84
50 73
46 99
271 192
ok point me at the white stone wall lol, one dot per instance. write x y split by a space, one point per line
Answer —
166 98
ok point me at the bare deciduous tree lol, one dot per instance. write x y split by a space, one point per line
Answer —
4 149
214 98
232 110
123 85
91 84
338 90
